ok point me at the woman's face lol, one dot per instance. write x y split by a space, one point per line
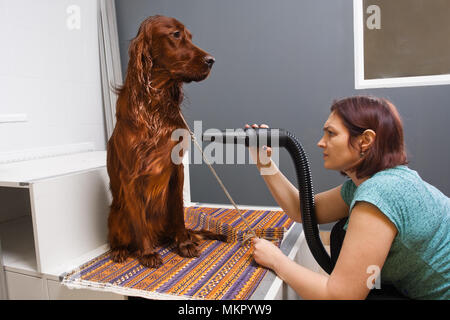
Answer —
337 153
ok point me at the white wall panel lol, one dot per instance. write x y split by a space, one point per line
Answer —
50 73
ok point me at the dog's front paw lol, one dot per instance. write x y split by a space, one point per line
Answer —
152 260
119 255
188 249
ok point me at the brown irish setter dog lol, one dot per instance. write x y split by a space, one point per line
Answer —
146 185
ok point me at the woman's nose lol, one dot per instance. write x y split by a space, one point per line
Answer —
321 143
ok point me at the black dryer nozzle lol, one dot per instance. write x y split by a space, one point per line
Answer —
249 136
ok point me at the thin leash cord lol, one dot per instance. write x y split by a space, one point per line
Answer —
253 233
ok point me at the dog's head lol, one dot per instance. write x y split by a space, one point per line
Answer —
165 45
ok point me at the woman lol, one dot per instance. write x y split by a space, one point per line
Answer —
397 223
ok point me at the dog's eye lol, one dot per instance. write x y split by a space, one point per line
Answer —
176 34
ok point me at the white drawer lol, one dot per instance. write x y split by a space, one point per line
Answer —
23 287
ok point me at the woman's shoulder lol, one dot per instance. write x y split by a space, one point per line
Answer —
402 186
391 187
383 182
400 177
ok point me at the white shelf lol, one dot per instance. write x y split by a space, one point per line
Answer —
18 249
18 174
67 266
16 117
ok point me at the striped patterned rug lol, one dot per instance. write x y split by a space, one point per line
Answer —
224 270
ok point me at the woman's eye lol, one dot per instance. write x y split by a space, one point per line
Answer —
176 34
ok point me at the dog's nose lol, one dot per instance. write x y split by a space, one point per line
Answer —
209 60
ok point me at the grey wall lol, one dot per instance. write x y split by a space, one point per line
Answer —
283 63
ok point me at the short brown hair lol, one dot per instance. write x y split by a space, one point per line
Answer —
360 113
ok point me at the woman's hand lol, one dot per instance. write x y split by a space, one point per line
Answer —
266 253
262 157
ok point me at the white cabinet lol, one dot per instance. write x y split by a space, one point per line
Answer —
53 215
24 287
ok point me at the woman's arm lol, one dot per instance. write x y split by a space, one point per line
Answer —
366 245
329 205
284 192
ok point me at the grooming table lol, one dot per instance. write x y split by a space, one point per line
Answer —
224 270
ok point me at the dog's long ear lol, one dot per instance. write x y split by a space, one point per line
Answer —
140 63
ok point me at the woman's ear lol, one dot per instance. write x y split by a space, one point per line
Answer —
367 138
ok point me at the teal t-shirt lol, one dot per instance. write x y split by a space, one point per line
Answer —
418 263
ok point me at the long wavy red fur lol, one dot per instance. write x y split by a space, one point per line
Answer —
146 185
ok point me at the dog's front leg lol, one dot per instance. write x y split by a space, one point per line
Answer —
186 244
148 256
144 236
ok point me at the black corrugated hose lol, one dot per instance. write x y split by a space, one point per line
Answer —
305 188
306 194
